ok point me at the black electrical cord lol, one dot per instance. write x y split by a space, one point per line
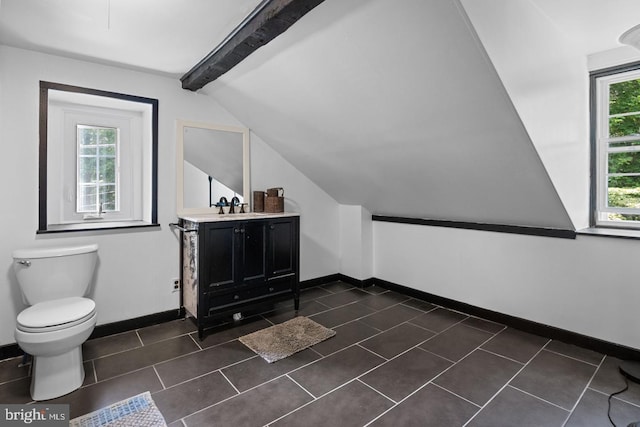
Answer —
626 387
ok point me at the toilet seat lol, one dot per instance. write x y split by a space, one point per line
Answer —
56 314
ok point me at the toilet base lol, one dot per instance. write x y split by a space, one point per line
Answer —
55 376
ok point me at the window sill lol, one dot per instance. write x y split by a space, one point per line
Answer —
95 226
622 233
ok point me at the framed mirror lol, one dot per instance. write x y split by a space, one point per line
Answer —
212 162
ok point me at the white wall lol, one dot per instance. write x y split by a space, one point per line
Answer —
588 285
546 77
136 267
319 216
356 245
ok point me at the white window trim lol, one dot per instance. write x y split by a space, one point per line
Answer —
61 182
602 141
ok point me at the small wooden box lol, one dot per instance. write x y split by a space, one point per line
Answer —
274 204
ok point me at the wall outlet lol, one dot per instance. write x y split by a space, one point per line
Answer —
176 284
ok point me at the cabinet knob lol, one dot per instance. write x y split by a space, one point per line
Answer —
270 289
236 230
236 297
272 227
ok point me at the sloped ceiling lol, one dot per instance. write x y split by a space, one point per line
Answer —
392 105
396 107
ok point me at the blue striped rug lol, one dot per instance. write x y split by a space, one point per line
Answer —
138 411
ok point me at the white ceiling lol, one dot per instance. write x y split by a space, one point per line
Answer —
163 36
171 36
365 97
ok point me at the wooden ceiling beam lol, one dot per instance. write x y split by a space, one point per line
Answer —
270 19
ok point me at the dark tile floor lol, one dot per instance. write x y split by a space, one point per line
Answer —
395 361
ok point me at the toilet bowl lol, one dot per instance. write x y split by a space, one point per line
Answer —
59 320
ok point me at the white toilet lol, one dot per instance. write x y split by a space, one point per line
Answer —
53 282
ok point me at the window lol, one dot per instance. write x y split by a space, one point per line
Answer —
97 170
98 159
615 115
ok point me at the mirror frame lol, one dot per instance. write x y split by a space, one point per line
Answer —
246 165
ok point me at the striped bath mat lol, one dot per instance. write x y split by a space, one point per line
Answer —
139 411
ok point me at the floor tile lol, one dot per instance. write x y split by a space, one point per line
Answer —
231 331
255 371
574 351
374 289
592 411
396 340
456 342
337 286
166 330
16 391
342 298
202 362
352 405
256 407
478 376
555 378
309 294
515 344
307 308
11 369
346 335
608 379
187 398
111 344
390 317
512 407
405 374
419 304
430 406
483 325
96 396
326 374
438 320
341 315
131 360
384 300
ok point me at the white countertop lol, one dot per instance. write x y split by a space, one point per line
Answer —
235 217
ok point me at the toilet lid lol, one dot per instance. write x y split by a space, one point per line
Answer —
56 314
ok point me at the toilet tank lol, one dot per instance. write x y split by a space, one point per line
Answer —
50 273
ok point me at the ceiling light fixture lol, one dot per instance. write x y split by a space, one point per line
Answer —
631 37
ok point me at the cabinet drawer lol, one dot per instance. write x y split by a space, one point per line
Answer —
275 286
217 300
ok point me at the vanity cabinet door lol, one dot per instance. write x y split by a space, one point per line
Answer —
252 268
219 244
282 249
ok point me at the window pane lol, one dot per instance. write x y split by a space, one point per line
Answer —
626 162
107 150
108 197
624 97
624 126
87 136
622 217
107 169
624 192
87 199
624 144
87 170
107 135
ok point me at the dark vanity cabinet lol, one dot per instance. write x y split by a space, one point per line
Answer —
231 265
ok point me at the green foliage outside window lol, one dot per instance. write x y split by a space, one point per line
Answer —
624 106
97 169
